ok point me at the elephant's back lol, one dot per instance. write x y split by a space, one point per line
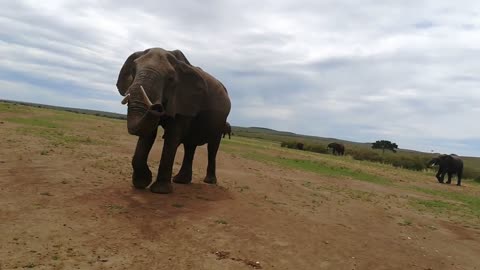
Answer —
217 98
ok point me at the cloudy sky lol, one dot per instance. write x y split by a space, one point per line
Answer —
406 71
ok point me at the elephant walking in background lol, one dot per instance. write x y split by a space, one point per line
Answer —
162 88
448 164
227 130
337 148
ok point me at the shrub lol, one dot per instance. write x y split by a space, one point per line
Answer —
477 179
470 173
317 148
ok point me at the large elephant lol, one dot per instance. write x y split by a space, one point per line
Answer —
162 88
227 130
337 148
448 164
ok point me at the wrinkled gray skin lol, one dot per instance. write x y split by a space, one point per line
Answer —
448 164
190 104
337 148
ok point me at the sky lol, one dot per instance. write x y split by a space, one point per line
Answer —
406 71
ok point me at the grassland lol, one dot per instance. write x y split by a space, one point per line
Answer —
69 174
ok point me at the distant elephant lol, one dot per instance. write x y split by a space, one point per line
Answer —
448 164
162 88
337 148
227 130
300 146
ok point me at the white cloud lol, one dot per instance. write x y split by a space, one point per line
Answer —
361 70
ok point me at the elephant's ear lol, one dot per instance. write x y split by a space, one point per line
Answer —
180 56
125 77
189 92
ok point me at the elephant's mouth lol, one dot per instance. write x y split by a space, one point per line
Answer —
143 115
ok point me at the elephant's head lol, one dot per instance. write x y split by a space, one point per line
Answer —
433 162
157 83
441 160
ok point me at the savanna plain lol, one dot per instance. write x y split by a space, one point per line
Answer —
67 203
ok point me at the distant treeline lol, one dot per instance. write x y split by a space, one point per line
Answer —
74 110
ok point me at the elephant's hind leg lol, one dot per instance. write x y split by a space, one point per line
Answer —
459 177
142 176
184 176
211 177
449 178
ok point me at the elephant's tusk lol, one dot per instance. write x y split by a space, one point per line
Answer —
125 99
145 97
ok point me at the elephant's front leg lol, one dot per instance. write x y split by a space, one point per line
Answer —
173 135
142 176
440 176
184 176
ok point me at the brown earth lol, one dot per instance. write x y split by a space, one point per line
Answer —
69 204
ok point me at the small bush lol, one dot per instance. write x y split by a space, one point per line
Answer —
477 179
317 148
471 173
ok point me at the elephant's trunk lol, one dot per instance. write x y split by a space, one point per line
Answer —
142 116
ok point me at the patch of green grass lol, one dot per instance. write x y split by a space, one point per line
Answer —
470 203
33 121
242 188
405 223
116 209
435 206
178 205
318 167
203 198
221 221
30 265
56 136
248 142
6 107
361 195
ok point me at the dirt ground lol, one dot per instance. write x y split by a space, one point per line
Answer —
69 204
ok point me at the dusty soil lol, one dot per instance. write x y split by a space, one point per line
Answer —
70 205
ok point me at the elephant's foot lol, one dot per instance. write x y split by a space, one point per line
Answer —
210 180
183 178
161 187
459 185
448 182
141 180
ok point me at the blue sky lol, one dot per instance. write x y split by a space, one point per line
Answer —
406 71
